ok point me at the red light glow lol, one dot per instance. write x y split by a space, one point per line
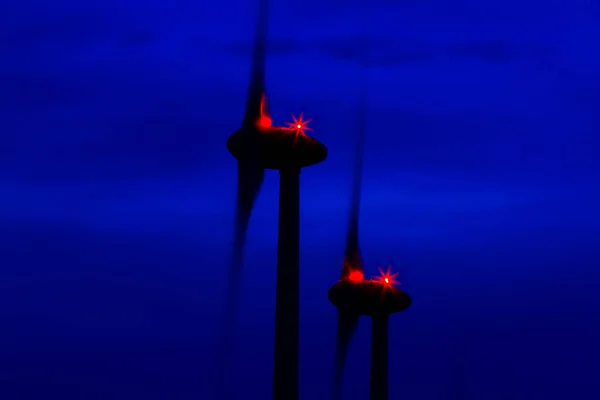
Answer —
352 272
387 278
264 120
299 126
356 276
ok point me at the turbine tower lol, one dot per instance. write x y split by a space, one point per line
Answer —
259 145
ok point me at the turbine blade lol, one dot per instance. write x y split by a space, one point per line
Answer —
250 172
256 90
347 323
346 327
250 180
352 255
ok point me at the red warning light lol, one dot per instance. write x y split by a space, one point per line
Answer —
387 278
356 276
264 119
299 126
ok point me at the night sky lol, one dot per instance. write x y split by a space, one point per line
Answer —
481 187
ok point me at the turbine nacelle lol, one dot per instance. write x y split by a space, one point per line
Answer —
276 147
369 296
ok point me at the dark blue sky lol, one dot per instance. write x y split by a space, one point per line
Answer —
480 187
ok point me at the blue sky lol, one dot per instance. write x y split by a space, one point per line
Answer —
480 187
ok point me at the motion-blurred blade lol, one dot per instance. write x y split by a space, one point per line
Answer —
250 181
250 172
256 103
250 177
353 264
352 256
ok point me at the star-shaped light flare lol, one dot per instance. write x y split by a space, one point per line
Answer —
387 278
299 126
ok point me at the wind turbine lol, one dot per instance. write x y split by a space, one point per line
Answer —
354 296
259 145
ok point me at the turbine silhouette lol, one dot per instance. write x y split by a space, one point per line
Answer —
378 299
259 145
354 296
352 268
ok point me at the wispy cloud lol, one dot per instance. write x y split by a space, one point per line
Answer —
398 51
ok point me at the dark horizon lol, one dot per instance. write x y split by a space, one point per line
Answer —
480 187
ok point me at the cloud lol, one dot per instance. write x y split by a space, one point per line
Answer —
376 51
26 91
134 115
66 27
393 51
498 50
